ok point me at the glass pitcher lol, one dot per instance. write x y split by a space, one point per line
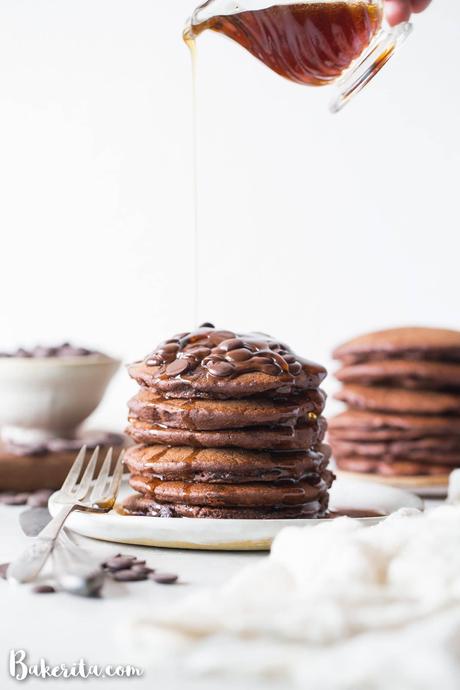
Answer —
313 42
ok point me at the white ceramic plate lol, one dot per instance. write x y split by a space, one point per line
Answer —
230 535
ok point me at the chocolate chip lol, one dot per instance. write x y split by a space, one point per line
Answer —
207 325
3 569
142 569
179 366
199 352
41 351
231 344
10 499
129 575
163 578
270 369
22 353
241 355
39 499
220 368
169 348
154 360
43 589
259 361
119 563
295 368
290 359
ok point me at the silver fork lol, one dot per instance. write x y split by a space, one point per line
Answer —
74 495
76 571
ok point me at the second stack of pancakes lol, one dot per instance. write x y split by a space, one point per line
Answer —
402 389
227 426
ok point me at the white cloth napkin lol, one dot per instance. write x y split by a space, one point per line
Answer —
338 606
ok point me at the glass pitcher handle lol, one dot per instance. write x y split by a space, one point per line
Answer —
384 46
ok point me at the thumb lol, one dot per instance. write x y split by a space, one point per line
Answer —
397 11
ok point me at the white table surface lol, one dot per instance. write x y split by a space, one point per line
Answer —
63 628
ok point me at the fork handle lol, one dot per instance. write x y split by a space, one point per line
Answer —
29 564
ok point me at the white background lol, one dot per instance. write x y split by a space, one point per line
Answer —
313 227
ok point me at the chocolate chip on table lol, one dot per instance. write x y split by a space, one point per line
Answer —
163 578
206 324
119 563
131 569
143 569
3 569
43 589
129 575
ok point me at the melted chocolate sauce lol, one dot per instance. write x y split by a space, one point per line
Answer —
224 354
355 513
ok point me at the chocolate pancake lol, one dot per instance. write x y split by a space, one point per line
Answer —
250 495
436 451
142 505
398 400
371 426
392 469
412 343
206 415
210 363
260 438
225 465
403 374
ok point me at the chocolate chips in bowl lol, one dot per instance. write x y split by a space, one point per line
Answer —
41 351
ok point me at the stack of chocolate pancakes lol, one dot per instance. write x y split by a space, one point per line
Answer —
227 426
402 389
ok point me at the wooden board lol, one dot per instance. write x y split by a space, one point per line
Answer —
31 472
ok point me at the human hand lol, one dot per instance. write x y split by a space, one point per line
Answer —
398 11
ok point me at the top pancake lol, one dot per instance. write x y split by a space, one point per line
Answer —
413 374
210 363
413 343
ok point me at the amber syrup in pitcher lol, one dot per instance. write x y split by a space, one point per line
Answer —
308 43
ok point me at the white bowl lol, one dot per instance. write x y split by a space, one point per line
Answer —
49 397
